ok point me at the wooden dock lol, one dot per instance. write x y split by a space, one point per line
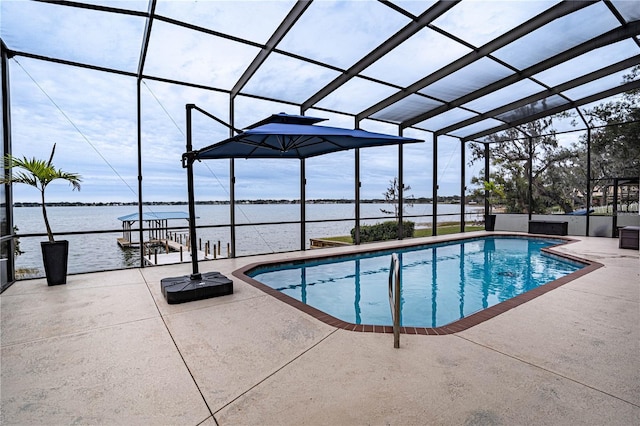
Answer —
321 243
124 243
173 252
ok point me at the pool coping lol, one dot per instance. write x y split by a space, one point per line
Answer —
454 327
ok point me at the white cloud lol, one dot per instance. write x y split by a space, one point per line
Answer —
297 84
341 32
478 22
254 20
103 107
83 35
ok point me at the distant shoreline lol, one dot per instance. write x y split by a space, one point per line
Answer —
443 200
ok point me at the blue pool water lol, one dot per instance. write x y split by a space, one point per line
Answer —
441 283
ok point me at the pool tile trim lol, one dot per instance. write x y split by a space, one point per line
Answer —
451 328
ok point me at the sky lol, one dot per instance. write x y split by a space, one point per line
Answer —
91 116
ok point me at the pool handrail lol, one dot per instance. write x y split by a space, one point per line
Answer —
394 297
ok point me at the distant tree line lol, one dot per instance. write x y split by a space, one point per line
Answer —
451 199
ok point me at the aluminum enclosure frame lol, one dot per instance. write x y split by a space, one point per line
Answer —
627 30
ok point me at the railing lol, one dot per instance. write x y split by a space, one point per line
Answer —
96 249
394 298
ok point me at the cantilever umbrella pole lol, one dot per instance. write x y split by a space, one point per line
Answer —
196 286
189 158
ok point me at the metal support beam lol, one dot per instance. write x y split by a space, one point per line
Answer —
143 56
146 37
232 184
434 218
608 38
400 189
463 186
232 205
356 238
626 87
588 206
140 200
614 211
530 177
303 201
287 23
7 202
394 41
551 14
587 78
487 176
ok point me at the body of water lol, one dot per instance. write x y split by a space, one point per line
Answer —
96 252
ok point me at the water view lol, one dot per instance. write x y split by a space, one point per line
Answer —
100 251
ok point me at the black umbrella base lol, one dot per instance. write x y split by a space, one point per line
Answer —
195 287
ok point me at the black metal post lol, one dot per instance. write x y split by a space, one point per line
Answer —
588 206
232 184
356 236
400 190
195 275
614 211
463 187
140 221
434 225
530 208
487 165
143 58
303 201
7 202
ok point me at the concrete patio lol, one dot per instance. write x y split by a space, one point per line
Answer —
107 349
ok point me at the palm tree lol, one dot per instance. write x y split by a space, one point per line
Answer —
39 174
494 190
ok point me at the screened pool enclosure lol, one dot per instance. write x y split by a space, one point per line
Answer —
108 81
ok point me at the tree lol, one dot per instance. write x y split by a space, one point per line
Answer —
615 149
39 174
559 173
392 195
494 190
552 167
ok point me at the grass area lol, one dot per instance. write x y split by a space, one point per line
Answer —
341 239
444 229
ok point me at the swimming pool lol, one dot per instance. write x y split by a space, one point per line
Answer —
441 283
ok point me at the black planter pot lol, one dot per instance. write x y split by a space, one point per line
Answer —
489 222
55 255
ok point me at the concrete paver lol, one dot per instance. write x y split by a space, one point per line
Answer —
49 312
232 347
358 378
124 374
106 348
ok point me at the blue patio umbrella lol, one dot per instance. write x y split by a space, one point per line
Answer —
295 136
278 136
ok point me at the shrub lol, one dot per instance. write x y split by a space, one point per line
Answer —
383 231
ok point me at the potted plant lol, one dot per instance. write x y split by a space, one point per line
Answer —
491 190
39 174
